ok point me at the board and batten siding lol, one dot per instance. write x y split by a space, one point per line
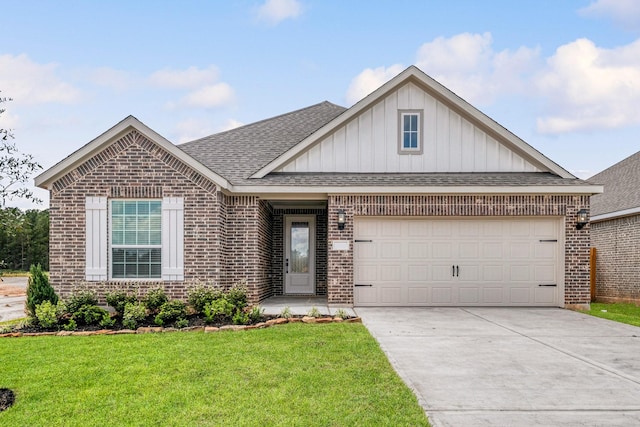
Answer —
369 142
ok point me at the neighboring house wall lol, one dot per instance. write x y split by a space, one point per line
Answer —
340 263
278 248
617 258
134 167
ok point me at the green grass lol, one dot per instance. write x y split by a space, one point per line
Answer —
294 375
624 313
14 273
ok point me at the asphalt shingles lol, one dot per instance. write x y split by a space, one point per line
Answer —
621 183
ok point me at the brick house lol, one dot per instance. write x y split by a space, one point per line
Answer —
615 231
410 197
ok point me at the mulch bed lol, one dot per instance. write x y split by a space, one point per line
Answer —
7 398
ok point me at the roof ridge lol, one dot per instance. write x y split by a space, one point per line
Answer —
299 110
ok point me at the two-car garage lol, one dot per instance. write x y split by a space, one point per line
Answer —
458 261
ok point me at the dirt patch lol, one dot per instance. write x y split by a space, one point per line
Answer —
11 291
7 398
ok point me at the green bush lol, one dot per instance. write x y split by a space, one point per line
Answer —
134 313
48 314
154 299
182 323
240 318
89 314
237 296
218 310
80 298
199 296
118 299
107 321
39 290
170 311
71 325
255 314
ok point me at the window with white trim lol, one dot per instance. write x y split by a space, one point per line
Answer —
136 239
410 132
145 241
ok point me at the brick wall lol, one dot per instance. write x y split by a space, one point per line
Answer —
135 167
617 243
279 248
340 263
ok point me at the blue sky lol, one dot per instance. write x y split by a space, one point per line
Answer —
562 75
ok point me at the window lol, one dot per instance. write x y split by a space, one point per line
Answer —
410 138
145 241
136 239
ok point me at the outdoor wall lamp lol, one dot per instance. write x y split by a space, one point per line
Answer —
342 219
582 219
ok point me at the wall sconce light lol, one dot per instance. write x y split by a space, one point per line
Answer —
342 219
582 219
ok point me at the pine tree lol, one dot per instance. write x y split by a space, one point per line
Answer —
39 290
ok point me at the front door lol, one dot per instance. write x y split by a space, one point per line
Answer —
299 257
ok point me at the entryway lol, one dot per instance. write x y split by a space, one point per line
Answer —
300 256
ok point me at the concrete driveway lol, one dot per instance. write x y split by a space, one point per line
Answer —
12 297
513 366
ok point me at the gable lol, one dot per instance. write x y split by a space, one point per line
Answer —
621 182
369 142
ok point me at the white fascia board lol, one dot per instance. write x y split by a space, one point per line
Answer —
616 214
323 191
46 179
413 73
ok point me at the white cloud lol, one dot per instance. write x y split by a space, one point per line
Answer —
210 96
192 129
275 11
7 119
369 80
624 12
467 64
230 124
30 83
192 77
587 87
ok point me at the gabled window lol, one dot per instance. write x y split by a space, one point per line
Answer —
410 131
145 241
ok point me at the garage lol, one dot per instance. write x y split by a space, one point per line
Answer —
458 261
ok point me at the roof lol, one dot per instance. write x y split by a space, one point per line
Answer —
238 153
621 183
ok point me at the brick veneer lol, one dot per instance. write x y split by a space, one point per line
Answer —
278 248
617 243
340 263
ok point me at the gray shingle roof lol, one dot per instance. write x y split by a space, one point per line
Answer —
238 153
621 187
418 179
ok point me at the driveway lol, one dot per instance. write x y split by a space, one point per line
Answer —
513 366
12 297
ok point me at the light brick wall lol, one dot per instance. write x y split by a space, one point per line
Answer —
340 263
135 167
617 243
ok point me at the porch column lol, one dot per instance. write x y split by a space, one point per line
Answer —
339 261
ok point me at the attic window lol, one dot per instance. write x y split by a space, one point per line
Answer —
410 131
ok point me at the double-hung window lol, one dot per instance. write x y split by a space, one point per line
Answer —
410 132
145 239
136 239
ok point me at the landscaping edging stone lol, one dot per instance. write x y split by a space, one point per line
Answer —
205 329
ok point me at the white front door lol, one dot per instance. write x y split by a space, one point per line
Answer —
299 257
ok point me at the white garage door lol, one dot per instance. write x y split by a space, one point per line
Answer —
456 262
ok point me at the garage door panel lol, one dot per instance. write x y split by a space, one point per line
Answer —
425 261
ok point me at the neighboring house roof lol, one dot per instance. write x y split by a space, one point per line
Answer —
238 153
621 190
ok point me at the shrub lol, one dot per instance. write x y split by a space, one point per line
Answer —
237 296
118 299
286 313
255 314
39 290
89 314
314 312
80 298
134 313
154 299
107 321
218 310
48 314
240 318
170 311
199 296
182 323
341 313
70 326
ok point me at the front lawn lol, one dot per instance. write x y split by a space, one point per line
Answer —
624 313
294 374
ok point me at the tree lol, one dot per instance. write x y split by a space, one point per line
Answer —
15 168
39 290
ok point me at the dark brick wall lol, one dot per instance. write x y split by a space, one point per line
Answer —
617 243
340 263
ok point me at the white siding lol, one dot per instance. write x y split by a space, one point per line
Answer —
172 239
369 142
96 239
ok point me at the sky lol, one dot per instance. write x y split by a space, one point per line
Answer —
562 75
